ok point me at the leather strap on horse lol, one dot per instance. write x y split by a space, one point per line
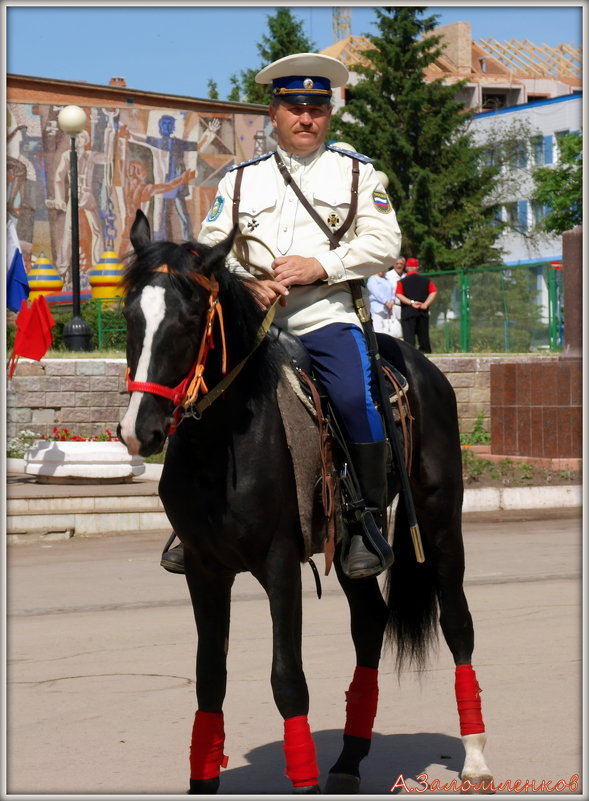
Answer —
188 389
184 395
405 416
327 472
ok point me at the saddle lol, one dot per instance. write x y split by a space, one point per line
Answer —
317 446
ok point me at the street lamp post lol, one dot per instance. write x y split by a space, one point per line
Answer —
77 333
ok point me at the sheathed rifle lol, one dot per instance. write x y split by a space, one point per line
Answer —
391 428
366 321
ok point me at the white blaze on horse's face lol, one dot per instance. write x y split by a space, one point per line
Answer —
153 306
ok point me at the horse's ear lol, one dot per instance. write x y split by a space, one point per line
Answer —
218 253
140 235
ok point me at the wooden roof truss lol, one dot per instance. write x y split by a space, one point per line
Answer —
526 58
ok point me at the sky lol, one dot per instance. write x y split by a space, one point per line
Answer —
178 47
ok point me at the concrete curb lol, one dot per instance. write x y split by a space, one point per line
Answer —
491 499
484 499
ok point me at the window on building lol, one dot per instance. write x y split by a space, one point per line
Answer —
516 215
510 214
490 156
542 150
539 212
521 155
522 215
491 101
558 135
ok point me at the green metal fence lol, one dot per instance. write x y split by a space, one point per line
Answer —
111 327
491 310
498 310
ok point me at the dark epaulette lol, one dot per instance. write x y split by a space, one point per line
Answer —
352 153
251 161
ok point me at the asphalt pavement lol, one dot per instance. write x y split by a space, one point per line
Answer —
100 670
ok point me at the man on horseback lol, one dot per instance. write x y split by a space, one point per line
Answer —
315 217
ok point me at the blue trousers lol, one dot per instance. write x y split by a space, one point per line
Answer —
340 360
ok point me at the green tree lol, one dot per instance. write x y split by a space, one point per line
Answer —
560 188
418 133
285 37
213 89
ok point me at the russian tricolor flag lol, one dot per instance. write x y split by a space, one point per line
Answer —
17 284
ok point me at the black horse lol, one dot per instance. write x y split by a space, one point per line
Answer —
228 489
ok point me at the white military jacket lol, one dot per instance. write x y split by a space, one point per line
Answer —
270 211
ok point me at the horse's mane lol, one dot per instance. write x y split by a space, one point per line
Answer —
241 313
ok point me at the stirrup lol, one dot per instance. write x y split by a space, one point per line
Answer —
172 559
168 544
367 552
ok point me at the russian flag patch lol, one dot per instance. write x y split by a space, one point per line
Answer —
381 201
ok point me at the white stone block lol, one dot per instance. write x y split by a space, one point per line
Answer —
82 461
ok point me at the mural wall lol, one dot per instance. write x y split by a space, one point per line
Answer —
163 161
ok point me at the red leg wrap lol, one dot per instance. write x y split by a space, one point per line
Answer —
299 751
362 702
468 700
206 748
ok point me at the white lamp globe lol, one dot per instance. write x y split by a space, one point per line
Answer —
72 120
383 178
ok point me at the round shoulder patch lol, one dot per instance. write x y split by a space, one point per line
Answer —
216 208
381 201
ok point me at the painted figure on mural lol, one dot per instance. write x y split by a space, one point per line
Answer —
19 170
169 165
88 205
137 192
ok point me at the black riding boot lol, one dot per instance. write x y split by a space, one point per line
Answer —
366 551
173 558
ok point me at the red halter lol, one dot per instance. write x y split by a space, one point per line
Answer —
187 391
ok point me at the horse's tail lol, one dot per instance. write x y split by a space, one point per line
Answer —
410 592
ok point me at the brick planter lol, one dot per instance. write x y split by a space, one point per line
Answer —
536 409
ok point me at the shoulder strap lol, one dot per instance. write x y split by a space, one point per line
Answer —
333 236
244 253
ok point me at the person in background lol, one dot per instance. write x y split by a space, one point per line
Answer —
416 293
382 302
393 275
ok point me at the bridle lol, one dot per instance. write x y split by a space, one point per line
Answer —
186 392
185 396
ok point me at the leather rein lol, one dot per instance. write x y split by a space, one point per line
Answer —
185 396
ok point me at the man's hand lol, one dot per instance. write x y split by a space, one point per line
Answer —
266 292
297 270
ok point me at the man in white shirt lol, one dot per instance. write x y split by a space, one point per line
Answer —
291 257
382 302
393 275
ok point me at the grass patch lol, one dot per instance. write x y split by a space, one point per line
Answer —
480 472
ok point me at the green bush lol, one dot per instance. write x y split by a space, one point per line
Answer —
479 434
109 329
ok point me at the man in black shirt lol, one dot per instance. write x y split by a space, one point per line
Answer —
416 293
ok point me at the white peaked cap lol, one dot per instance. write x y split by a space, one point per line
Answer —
312 64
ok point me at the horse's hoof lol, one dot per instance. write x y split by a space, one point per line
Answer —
311 789
477 785
342 784
203 786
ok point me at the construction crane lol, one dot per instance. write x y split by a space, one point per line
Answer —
341 23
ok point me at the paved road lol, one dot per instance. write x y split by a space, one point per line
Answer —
100 691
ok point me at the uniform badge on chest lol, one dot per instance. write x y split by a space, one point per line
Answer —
333 220
253 223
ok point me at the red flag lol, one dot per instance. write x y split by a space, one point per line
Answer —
33 335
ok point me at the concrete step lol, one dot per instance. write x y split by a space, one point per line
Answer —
59 511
